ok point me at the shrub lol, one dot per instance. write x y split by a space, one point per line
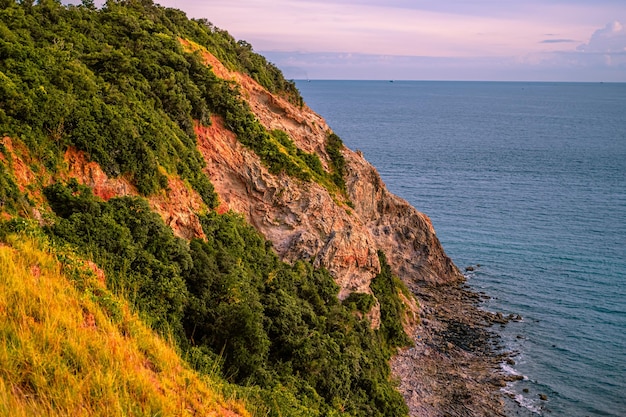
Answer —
386 287
334 146
11 200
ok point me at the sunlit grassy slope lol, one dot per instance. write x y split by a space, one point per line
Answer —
70 348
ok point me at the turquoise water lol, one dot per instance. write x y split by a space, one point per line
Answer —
529 181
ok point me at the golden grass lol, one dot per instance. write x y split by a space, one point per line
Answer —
63 354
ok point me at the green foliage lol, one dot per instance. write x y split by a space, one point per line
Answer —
280 153
239 118
224 310
284 139
360 301
117 84
312 161
11 199
20 225
386 287
307 161
266 73
114 83
235 308
334 145
238 55
297 335
142 257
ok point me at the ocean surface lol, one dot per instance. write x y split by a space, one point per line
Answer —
529 181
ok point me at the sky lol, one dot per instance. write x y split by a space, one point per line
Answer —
499 40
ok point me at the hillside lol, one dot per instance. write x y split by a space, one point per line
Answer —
223 212
70 347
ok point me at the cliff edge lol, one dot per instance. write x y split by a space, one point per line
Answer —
451 369
304 220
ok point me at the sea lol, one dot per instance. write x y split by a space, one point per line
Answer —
526 183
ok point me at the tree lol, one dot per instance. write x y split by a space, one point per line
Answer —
88 4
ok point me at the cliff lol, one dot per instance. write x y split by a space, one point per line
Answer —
304 220
228 215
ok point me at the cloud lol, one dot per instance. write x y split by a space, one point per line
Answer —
411 39
602 58
454 28
545 67
609 39
558 41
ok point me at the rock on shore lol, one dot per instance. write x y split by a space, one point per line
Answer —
454 367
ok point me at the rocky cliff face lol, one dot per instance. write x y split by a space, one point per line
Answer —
302 219
405 235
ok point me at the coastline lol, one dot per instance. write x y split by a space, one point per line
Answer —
523 225
454 367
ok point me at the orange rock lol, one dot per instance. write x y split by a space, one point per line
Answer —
176 206
303 220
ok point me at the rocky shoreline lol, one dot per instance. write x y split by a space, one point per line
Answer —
454 367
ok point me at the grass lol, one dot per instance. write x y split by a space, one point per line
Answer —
69 347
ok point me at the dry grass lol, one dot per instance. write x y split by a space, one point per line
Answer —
70 348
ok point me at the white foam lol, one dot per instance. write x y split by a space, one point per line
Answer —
511 371
522 401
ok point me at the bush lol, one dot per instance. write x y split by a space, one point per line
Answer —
11 200
360 301
141 256
334 146
386 287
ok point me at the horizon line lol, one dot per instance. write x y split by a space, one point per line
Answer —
388 80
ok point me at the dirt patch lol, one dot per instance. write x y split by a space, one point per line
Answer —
91 174
19 163
176 205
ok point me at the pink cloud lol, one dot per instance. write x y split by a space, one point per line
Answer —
609 39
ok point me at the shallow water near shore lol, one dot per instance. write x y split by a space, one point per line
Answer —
529 181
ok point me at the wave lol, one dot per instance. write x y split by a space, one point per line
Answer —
509 370
522 401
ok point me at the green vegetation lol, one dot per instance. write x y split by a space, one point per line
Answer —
239 56
387 287
114 83
308 164
142 257
11 199
360 301
232 305
117 84
334 145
